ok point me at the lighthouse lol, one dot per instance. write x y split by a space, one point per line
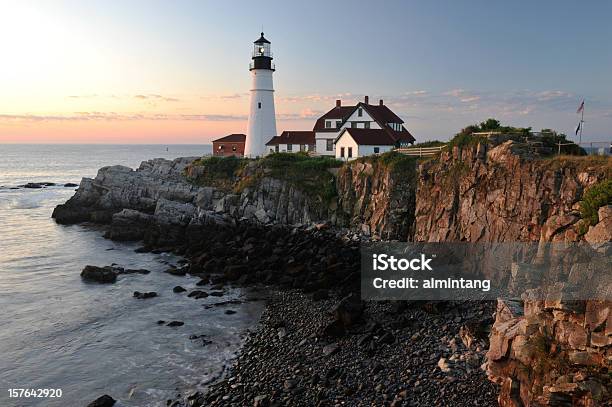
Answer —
262 118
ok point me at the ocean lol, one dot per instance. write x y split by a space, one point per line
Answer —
58 332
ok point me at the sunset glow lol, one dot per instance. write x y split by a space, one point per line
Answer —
162 72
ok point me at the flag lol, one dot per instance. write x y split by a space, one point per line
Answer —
581 107
579 126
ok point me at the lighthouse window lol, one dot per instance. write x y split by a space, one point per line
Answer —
259 105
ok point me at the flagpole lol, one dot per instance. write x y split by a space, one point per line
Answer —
581 123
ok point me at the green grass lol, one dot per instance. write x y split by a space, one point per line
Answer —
309 174
392 160
594 198
220 172
430 143
464 140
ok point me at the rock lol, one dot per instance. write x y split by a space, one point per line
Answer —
216 294
70 185
602 231
142 296
136 271
233 273
330 349
175 323
203 281
32 185
161 322
261 401
443 365
178 289
229 312
348 311
104 401
177 271
198 294
104 275
320 295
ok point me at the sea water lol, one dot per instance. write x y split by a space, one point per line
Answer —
59 332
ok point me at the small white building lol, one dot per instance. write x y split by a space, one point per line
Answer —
356 142
291 142
363 115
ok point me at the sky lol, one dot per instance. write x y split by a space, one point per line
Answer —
166 72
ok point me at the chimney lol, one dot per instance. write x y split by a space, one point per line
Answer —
338 102
380 102
367 100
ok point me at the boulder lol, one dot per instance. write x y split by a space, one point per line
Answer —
104 275
178 289
104 401
143 296
349 310
602 231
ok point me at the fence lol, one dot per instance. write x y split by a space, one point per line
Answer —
421 151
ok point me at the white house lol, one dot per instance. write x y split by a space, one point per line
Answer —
357 142
363 115
291 142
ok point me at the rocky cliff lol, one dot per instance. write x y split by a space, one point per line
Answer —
502 194
555 354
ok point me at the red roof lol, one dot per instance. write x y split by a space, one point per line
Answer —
232 138
339 113
378 137
380 113
293 137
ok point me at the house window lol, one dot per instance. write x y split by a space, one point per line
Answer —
259 105
302 147
360 112
366 125
342 152
220 146
354 125
330 144
234 147
376 150
276 148
338 124
289 147
327 124
350 152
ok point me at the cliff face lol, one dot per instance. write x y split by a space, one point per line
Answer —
369 197
500 195
377 198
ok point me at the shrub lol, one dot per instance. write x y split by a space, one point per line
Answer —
217 171
594 198
430 143
309 174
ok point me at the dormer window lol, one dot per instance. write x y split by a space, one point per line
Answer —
328 124
338 124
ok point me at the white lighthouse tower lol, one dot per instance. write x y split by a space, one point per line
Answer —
262 118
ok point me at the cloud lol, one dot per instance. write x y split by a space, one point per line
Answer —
112 116
156 97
